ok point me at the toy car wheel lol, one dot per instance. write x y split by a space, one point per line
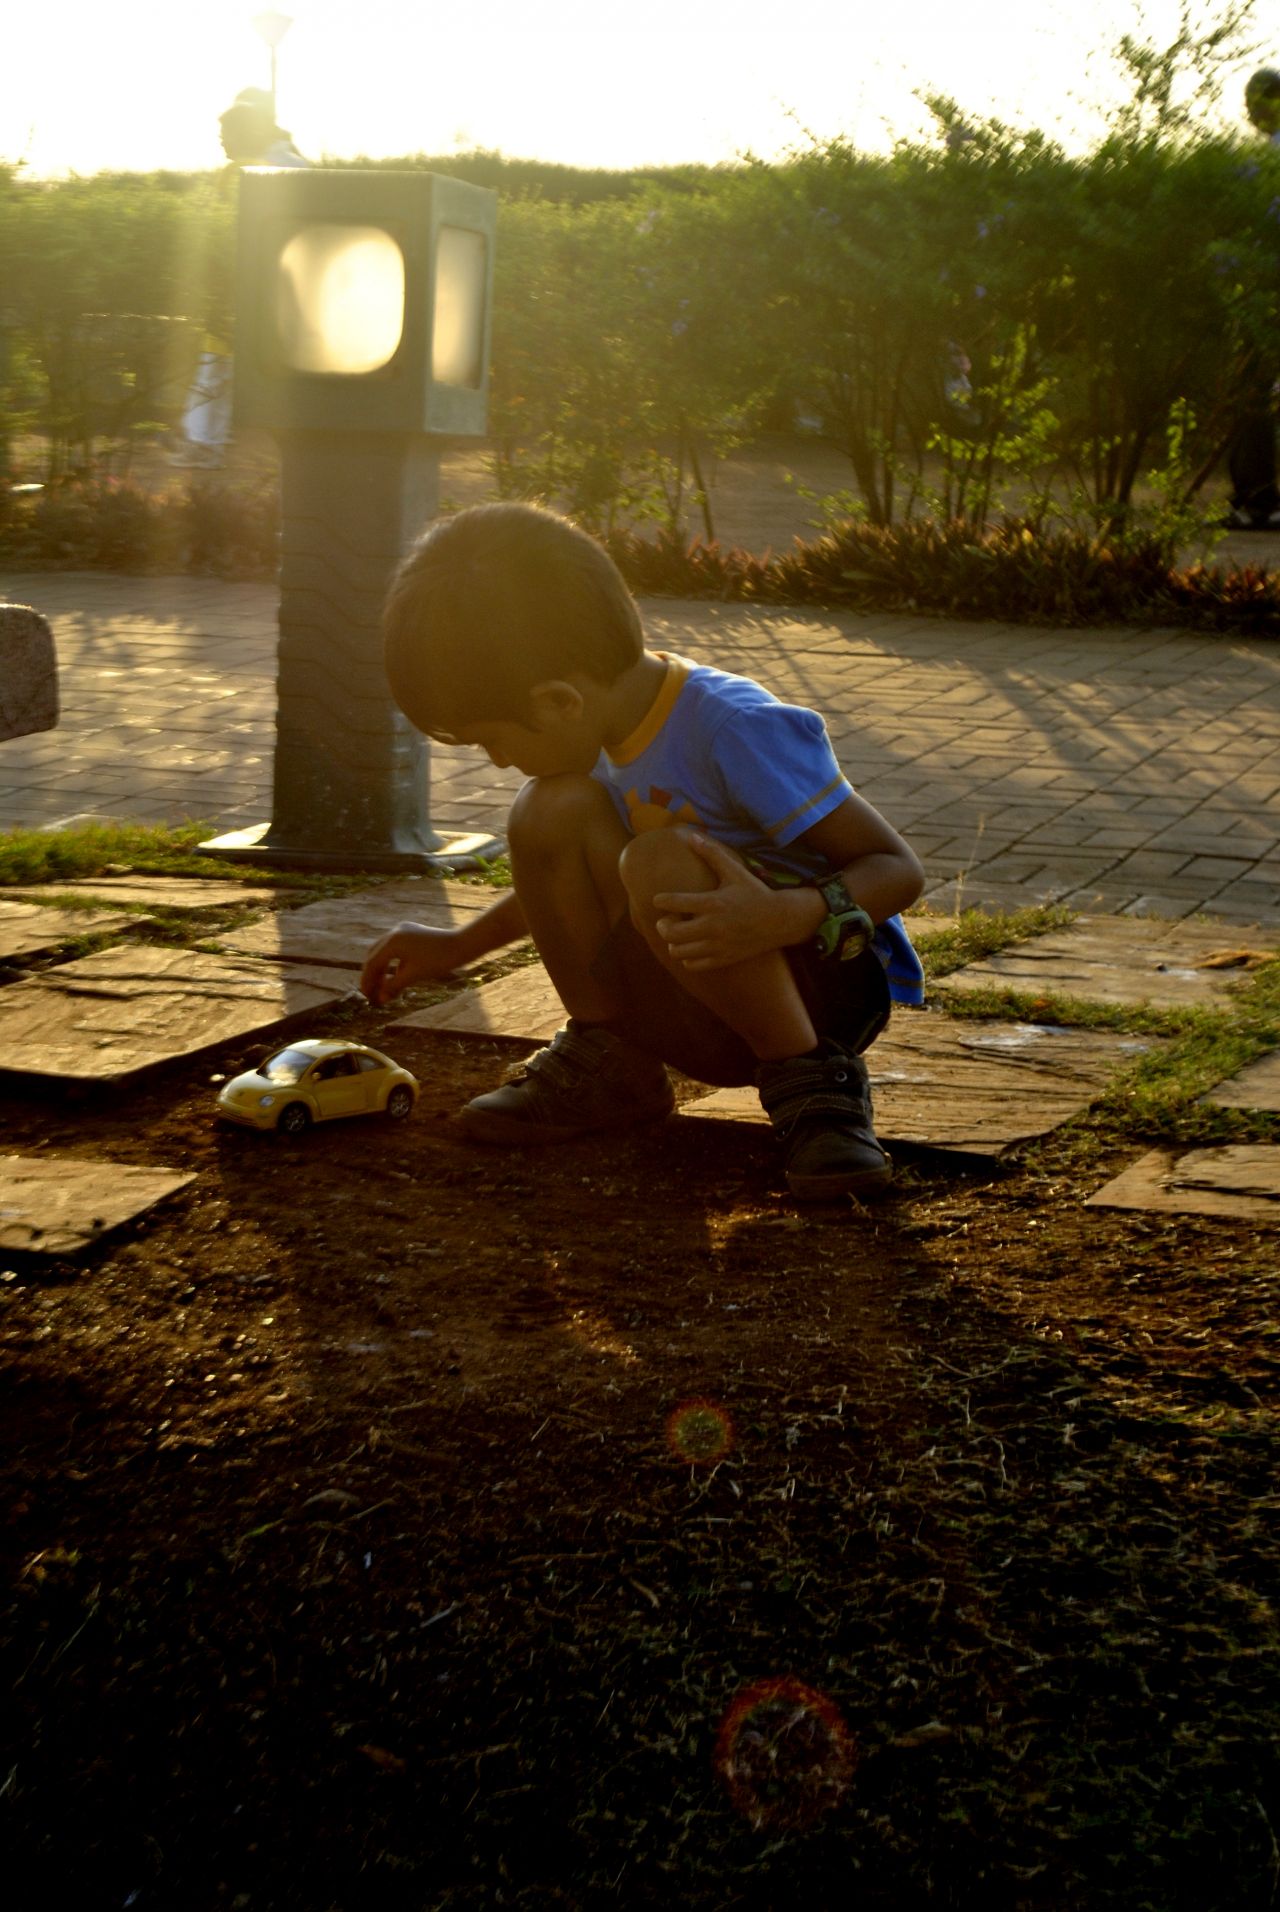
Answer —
295 1119
400 1101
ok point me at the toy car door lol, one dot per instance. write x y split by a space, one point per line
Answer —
338 1086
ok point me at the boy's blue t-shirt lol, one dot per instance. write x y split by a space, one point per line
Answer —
721 753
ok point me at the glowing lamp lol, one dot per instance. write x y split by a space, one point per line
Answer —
363 302
362 341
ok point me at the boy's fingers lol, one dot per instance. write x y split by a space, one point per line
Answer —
677 932
380 977
713 852
682 902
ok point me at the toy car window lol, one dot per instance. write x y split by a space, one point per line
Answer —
368 1062
335 1066
289 1066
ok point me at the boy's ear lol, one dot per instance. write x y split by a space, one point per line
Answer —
556 702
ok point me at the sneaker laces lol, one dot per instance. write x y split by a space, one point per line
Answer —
807 1086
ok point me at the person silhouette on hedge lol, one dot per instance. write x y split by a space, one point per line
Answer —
250 136
702 882
1251 455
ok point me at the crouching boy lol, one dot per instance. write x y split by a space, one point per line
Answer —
703 885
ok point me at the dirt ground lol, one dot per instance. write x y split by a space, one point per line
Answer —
394 1524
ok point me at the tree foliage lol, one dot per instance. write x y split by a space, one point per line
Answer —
980 322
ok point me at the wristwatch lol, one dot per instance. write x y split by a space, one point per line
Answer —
847 930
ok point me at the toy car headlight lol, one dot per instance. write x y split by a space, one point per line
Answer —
266 1101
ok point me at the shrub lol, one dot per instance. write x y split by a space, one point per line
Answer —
111 525
1010 571
229 532
1015 571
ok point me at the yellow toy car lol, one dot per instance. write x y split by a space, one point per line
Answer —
314 1081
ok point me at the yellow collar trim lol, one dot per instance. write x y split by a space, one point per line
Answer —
660 709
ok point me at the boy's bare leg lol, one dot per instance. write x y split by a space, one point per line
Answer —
758 998
566 839
817 1097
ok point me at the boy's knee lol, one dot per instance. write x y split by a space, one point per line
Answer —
659 860
553 811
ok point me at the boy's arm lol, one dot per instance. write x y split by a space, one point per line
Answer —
743 917
413 953
880 870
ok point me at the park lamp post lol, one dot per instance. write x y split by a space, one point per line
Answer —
271 28
362 340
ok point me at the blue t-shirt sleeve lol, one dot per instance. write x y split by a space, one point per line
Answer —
777 765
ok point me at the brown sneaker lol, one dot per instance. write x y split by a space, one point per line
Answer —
587 1078
820 1107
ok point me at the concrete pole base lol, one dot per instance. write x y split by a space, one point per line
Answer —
446 855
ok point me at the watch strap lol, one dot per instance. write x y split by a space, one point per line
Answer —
847 929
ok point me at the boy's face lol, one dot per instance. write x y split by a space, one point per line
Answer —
548 752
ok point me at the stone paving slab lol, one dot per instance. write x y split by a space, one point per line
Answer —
340 929
1240 1181
1256 1086
29 929
976 1089
521 1006
57 1205
157 892
109 1015
1119 960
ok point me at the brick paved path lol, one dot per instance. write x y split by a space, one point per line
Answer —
1115 770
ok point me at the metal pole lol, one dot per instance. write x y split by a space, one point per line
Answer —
351 773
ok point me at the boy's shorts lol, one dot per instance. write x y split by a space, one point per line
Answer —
847 1001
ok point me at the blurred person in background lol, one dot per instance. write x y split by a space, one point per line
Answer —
250 137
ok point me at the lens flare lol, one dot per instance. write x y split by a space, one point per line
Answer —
699 1432
784 1754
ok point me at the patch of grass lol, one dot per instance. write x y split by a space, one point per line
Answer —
979 933
128 849
94 849
1158 1099
498 873
1072 1012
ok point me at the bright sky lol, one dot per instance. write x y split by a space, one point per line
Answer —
92 85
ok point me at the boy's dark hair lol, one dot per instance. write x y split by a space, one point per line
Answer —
495 600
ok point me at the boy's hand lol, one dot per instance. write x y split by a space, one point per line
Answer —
410 953
738 919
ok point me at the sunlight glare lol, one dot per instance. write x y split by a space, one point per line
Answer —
340 304
573 83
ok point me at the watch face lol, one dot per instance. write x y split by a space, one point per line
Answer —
836 896
848 930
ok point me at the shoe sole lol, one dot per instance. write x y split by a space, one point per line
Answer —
511 1131
829 1188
